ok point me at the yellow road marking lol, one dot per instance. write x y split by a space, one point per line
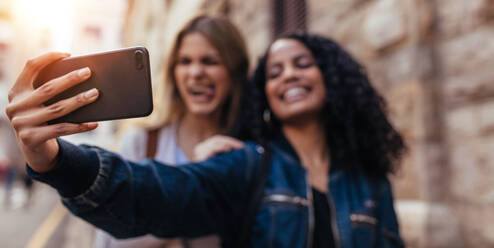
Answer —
48 227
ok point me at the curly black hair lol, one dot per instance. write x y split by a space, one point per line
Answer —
359 133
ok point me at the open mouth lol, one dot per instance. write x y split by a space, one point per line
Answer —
202 93
295 93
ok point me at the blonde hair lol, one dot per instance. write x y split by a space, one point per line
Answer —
227 39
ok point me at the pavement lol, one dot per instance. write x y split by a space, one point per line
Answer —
41 221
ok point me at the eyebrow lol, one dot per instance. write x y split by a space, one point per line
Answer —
303 55
296 57
213 54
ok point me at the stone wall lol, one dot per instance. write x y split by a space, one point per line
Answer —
432 60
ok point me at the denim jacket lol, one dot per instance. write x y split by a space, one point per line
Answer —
130 199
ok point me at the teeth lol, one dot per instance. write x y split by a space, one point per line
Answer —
208 90
201 90
294 92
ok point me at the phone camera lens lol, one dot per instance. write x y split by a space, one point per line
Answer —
138 55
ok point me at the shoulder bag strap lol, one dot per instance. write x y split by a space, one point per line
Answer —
152 143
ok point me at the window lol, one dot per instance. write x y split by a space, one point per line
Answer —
288 16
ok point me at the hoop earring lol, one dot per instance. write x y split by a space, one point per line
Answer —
266 115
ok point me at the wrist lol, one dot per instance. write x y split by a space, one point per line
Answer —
45 158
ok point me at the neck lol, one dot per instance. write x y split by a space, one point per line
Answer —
199 127
309 141
193 129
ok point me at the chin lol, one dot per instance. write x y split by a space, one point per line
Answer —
297 115
202 110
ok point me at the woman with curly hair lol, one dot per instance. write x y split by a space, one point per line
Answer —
317 176
325 108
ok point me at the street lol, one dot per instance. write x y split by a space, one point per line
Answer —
43 222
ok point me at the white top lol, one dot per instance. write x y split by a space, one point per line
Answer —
132 146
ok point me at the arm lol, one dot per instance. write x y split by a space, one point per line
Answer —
129 199
105 189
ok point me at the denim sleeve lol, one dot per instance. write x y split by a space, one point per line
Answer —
130 199
81 162
388 223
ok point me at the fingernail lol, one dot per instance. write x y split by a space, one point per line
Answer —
87 126
91 125
91 93
84 72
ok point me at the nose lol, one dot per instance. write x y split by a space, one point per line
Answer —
195 70
290 74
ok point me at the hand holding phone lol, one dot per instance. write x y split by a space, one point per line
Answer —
122 78
29 116
52 88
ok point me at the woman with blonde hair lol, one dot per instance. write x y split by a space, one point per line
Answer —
198 97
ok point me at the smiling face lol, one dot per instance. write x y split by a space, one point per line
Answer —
294 84
202 79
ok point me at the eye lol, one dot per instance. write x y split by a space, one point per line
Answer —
183 61
274 72
210 61
304 62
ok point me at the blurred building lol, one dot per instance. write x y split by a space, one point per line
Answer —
7 43
431 59
97 27
29 28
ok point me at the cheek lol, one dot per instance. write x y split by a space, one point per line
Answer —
179 81
274 102
322 93
181 92
320 88
321 98
218 73
270 93
178 73
225 92
222 81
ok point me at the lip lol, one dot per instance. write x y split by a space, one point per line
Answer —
294 92
201 93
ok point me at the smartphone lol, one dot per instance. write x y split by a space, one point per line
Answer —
122 78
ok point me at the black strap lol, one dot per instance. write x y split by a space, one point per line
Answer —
152 143
257 185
